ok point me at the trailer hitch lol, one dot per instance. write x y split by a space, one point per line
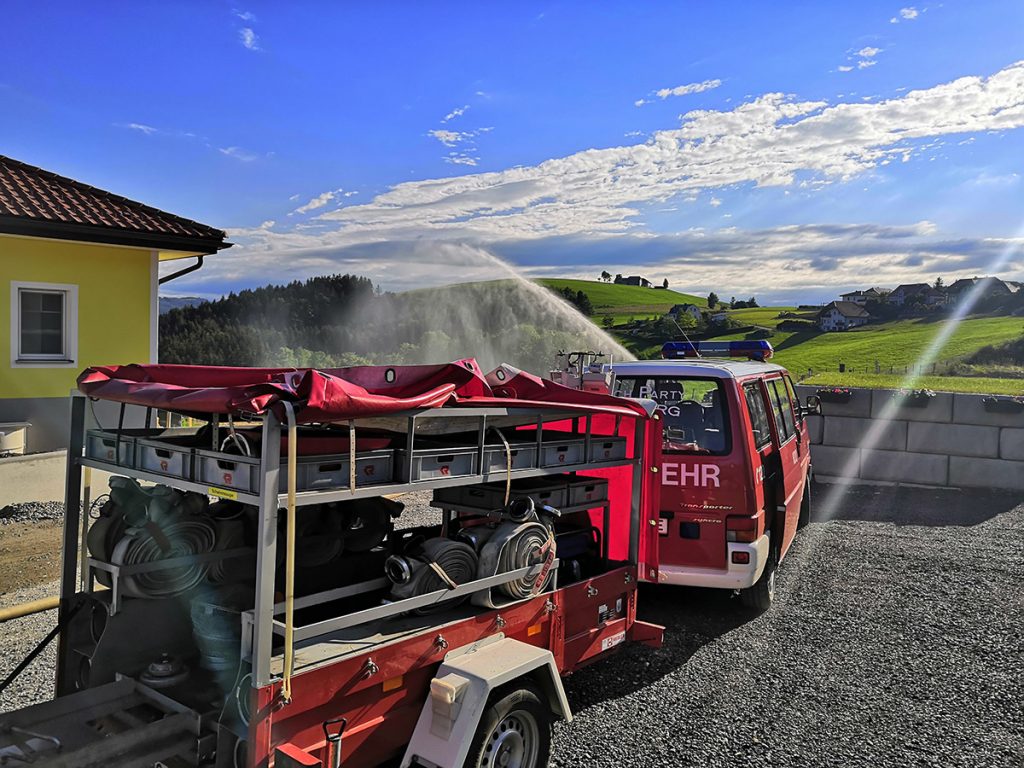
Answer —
332 752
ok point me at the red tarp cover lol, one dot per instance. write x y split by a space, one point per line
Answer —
333 394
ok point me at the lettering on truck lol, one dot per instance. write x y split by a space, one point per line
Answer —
690 475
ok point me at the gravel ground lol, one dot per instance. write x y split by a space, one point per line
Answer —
31 512
17 638
896 640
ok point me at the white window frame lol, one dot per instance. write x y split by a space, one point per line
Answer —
70 357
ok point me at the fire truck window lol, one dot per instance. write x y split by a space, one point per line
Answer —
783 410
758 415
795 399
694 411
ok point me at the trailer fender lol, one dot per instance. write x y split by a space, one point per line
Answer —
459 693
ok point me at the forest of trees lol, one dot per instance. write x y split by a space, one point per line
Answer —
341 320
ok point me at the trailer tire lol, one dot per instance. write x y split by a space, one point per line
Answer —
762 593
514 730
805 504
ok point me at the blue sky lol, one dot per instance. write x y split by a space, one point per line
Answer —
782 149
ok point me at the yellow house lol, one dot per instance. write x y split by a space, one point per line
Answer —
79 278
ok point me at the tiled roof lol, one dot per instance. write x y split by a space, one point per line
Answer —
847 309
36 199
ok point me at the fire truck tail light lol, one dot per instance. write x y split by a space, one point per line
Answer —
741 529
741 558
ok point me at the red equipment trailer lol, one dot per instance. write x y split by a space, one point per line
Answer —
258 630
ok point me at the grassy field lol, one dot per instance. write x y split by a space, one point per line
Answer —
978 385
623 302
766 316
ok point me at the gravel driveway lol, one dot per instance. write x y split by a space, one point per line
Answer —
891 644
896 641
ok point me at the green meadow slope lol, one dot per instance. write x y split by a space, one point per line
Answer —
624 301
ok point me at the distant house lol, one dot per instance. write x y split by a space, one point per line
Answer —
841 316
863 297
643 282
720 318
686 309
986 286
934 297
79 272
901 294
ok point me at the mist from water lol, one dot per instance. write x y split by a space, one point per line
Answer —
508 319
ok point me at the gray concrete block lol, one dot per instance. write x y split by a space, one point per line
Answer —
904 467
986 473
854 433
939 408
1011 444
953 439
816 428
968 409
835 461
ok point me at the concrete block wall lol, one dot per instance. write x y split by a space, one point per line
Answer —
952 441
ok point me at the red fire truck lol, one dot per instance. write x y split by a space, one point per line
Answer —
245 592
735 462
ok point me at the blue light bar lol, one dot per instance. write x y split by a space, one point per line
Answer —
754 350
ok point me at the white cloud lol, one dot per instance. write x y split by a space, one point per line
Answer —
770 141
867 52
457 112
715 202
681 90
249 39
244 15
865 63
149 130
238 154
908 13
318 202
449 138
456 159
844 68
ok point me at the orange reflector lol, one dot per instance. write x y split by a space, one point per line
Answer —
741 558
392 684
533 629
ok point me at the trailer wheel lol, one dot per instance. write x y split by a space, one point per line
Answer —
514 731
805 504
762 593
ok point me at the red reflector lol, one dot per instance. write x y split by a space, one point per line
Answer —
741 558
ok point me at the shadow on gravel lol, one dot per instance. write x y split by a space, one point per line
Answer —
692 618
902 505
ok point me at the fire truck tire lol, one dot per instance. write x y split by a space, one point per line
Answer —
805 504
514 730
760 596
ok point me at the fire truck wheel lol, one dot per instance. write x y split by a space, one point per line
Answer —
760 596
805 505
514 731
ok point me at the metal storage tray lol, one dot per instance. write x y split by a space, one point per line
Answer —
490 496
587 490
241 473
164 458
564 451
607 448
110 447
524 456
436 462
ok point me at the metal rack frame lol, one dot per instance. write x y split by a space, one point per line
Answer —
264 626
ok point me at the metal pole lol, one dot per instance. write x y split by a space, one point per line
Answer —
69 539
266 551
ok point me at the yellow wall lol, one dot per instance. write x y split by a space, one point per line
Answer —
114 286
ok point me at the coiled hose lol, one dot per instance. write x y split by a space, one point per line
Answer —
527 546
150 543
439 563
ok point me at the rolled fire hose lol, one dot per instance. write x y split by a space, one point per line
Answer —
528 545
152 542
439 563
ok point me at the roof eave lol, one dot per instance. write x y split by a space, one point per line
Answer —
87 233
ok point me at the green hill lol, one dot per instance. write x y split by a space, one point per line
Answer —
624 301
